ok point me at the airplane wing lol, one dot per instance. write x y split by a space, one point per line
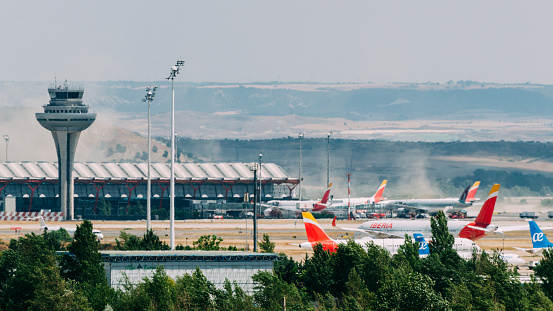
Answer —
519 228
530 250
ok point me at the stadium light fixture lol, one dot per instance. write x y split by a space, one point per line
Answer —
150 94
328 160
7 139
175 70
300 138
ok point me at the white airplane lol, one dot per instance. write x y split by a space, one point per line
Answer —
298 206
433 206
539 240
361 201
70 230
509 258
464 229
316 235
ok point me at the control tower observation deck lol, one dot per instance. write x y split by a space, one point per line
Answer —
66 116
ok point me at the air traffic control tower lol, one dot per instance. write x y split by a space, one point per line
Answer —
66 116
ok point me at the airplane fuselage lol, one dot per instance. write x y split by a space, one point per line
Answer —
457 228
430 206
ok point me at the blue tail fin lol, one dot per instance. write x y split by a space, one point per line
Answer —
539 240
423 246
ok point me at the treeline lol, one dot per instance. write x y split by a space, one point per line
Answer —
33 277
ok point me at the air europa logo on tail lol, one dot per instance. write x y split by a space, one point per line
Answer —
537 237
381 225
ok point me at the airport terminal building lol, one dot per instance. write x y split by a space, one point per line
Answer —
118 190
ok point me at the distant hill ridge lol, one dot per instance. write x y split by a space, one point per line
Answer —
356 102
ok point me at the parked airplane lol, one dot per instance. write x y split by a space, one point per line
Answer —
298 206
424 250
433 206
539 240
316 235
361 201
463 229
70 230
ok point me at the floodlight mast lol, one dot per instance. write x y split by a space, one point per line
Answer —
7 139
150 94
175 70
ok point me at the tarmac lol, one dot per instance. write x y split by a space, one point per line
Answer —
286 233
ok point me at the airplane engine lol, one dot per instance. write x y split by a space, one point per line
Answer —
306 245
267 212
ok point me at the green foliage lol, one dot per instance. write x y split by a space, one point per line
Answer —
84 265
408 255
55 239
31 280
208 243
315 274
271 291
266 245
544 271
406 290
149 242
442 241
105 207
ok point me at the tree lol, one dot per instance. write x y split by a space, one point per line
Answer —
406 290
84 265
55 239
271 290
544 271
266 245
208 243
32 281
150 241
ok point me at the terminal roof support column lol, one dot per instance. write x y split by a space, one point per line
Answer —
33 190
231 183
162 192
4 186
130 190
195 189
103 183
291 189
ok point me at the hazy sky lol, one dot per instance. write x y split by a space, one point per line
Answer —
248 41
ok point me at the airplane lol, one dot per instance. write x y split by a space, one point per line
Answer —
539 240
70 230
316 235
298 206
424 250
433 206
462 229
361 201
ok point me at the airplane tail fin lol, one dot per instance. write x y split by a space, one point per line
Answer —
486 212
378 195
464 195
423 246
472 192
314 231
539 240
326 196
42 223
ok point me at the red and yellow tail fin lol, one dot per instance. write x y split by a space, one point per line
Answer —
326 196
380 191
314 231
472 192
486 212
